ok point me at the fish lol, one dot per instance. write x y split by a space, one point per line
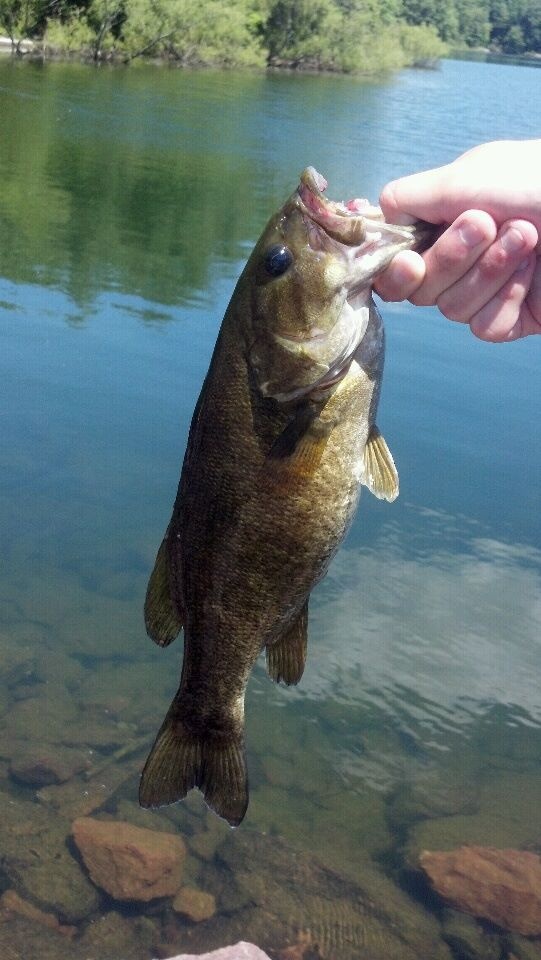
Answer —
282 438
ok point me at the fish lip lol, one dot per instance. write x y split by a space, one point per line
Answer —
347 224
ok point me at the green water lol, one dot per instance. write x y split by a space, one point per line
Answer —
128 202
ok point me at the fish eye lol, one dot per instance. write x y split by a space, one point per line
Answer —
277 260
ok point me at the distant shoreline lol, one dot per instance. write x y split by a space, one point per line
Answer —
485 55
36 50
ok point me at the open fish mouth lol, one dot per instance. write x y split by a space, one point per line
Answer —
344 222
355 229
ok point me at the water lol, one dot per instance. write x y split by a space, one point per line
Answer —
128 202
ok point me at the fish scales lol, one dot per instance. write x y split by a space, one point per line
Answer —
282 437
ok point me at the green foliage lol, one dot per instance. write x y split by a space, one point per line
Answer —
516 25
191 31
92 32
20 19
73 35
421 44
366 36
295 31
509 26
357 36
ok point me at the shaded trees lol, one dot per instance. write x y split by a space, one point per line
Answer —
367 36
509 26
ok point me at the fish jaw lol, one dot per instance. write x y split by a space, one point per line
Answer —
308 323
363 236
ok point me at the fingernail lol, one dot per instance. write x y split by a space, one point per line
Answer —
470 234
512 240
524 265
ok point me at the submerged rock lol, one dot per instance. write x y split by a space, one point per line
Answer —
130 863
37 863
194 904
508 815
11 902
45 764
115 937
206 841
442 792
503 886
295 894
467 939
59 884
82 795
17 659
522 949
49 714
18 941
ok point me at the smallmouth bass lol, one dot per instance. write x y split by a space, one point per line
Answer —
282 437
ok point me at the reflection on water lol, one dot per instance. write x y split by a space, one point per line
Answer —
128 201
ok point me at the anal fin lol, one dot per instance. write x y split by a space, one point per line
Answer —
286 657
379 471
162 619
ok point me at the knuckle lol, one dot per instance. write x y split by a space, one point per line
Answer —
494 263
453 309
447 257
422 298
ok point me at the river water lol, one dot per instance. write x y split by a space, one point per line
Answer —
129 200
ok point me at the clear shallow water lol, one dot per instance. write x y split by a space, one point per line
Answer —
128 202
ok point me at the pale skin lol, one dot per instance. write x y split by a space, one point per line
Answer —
485 268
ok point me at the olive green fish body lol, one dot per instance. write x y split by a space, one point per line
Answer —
276 455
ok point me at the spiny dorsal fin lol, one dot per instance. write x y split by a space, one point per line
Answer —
286 658
162 620
379 474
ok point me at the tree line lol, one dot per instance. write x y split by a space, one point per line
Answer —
362 36
502 26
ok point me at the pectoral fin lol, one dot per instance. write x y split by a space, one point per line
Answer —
286 658
162 619
379 472
298 450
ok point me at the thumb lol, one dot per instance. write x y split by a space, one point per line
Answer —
420 196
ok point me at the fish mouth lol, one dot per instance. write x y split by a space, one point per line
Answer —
355 229
343 222
356 232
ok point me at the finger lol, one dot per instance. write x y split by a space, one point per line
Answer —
534 299
528 324
404 274
505 315
461 301
454 253
418 196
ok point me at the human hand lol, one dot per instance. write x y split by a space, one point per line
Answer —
485 268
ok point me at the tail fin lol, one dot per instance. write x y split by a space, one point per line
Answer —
179 761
